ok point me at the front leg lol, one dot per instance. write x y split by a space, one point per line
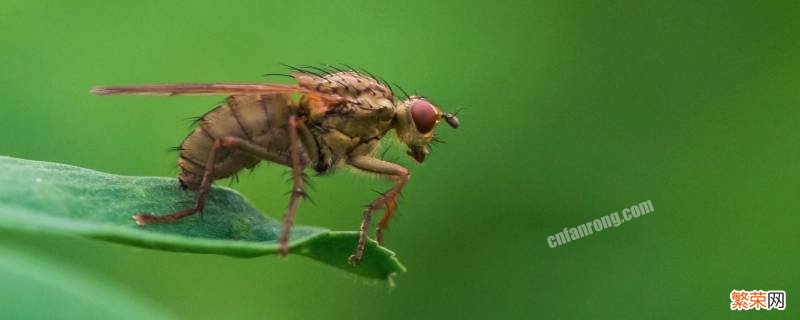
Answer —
399 175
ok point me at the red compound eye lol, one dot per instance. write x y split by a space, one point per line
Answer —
424 115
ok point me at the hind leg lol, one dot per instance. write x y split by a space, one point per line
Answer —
228 142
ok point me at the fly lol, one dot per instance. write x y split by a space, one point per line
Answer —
338 120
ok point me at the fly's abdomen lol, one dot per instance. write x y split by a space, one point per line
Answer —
259 119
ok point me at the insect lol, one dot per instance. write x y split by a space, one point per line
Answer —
330 118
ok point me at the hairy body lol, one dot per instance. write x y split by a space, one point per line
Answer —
338 120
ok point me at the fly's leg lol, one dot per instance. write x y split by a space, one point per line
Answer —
298 190
228 142
143 218
391 207
400 176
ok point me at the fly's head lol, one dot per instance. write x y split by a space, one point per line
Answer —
415 119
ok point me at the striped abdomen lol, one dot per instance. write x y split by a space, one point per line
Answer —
260 119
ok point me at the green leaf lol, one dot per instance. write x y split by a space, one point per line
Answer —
58 198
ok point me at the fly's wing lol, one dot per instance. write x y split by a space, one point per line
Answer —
230 89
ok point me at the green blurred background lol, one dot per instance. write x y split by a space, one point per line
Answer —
575 109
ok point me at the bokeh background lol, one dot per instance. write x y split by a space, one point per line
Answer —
574 109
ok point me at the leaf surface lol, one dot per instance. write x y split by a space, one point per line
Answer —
49 197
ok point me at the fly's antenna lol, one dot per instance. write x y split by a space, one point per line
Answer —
459 111
452 118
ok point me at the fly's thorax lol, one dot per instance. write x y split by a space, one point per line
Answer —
357 127
365 117
346 83
368 111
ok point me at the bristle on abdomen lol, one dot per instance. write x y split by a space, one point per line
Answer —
258 119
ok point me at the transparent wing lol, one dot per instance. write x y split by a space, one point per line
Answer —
213 89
